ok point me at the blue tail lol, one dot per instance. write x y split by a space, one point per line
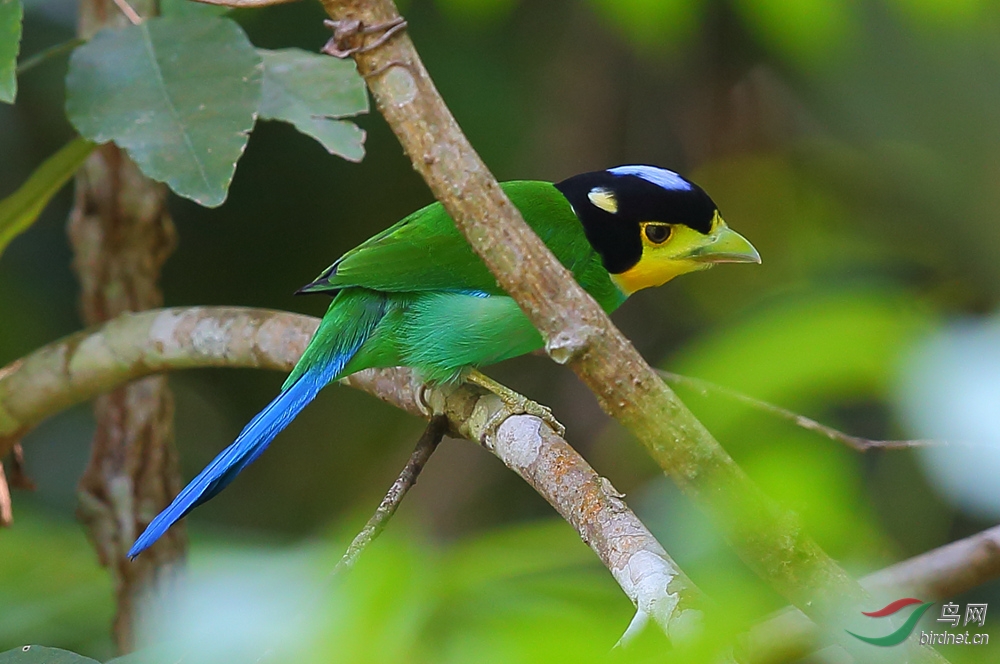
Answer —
249 445
319 365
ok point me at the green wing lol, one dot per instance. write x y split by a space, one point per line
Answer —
425 252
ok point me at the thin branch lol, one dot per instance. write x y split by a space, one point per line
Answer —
6 509
428 442
635 627
12 477
129 13
932 576
47 54
350 32
579 334
18 478
705 388
85 364
245 4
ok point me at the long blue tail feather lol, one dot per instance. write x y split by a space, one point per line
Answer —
318 367
249 445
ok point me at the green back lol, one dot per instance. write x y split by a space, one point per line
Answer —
425 252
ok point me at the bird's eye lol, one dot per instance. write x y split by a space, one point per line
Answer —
657 233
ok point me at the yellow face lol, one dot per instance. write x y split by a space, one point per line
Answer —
670 250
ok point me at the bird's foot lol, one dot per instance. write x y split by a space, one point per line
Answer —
516 404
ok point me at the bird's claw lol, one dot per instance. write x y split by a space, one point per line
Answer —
522 406
515 404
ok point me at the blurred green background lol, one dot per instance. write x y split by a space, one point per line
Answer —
857 144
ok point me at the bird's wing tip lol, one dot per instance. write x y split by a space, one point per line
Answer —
318 287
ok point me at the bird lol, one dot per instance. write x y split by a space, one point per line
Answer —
415 295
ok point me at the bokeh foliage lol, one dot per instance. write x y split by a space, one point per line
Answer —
855 143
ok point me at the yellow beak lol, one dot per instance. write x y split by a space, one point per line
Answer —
724 246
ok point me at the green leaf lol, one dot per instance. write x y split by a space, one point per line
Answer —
310 91
180 95
40 655
43 56
11 13
19 210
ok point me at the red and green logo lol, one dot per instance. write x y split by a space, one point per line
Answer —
904 630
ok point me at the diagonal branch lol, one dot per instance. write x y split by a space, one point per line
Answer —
856 443
934 575
428 442
578 333
131 14
83 365
132 346
943 572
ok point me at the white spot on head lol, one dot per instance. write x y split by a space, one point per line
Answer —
603 198
659 176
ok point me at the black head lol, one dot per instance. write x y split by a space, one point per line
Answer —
611 205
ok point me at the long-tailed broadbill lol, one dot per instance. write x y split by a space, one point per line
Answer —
416 295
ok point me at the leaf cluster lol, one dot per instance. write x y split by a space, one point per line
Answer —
180 94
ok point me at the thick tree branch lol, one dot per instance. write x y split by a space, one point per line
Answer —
943 572
428 442
133 346
81 366
578 333
126 9
936 575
